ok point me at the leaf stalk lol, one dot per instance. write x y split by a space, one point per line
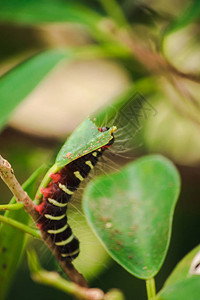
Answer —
151 288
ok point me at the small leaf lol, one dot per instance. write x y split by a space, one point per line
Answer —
12 241
85 139
20 81
131 212
188 289
182 270
181 284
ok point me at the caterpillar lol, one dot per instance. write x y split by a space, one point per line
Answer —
57 194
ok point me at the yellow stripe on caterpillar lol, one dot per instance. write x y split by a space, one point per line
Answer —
88 162
65 189
56 203
65 242
54 218
78 175
70 254
51 231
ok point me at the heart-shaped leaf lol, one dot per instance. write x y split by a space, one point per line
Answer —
131 212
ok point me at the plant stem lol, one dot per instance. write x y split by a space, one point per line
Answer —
15 206
151 288
54 279
105 51
7 175
20 226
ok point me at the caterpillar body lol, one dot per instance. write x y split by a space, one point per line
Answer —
55 198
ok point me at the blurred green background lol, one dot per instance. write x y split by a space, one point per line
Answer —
113 51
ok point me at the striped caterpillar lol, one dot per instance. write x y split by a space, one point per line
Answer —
55 198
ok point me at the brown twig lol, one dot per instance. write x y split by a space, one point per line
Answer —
153 61
53 279
7 175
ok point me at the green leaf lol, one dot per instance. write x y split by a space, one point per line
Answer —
85 139
20 81
189 15
43 11
181 284
182 269
12 241
188 289
131 212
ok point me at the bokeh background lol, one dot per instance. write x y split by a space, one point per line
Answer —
118 50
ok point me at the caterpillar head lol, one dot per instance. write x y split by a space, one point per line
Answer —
103 129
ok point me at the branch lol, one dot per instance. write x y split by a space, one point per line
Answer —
7 175
154 61
20 226
54 279
15 206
